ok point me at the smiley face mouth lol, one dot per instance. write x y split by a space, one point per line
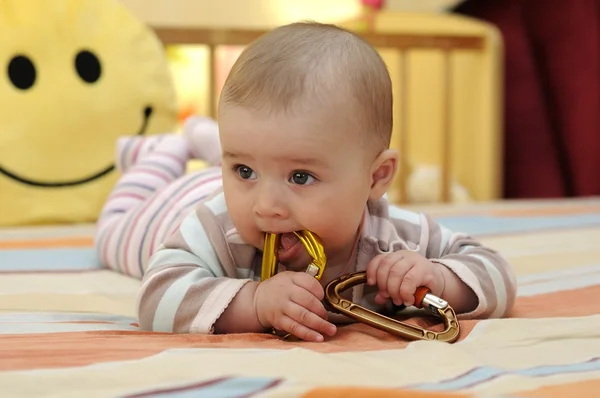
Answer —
62 184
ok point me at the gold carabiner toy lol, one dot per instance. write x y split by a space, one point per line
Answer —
269 260
311 243
423 297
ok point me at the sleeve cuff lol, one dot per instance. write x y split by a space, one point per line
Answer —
215 304
470 279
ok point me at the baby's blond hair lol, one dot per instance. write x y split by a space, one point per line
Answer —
308 63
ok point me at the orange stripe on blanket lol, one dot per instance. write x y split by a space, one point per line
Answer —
358 392
576 302
55 350
586 388
86 241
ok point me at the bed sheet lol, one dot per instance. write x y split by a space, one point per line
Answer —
71 324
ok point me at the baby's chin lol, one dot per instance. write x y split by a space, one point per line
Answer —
298 263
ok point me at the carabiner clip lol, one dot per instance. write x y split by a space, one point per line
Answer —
311 243
423 299
269 261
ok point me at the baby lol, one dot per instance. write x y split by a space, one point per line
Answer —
305 120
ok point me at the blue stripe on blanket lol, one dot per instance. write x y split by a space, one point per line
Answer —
28 317
48 259
489 225
41 328
57 322
484 374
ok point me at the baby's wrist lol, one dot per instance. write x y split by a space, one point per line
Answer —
456 292
256 306
239 316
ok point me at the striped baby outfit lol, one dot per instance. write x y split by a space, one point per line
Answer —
198 270
154 193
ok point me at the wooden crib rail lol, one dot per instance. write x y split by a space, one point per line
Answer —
242 37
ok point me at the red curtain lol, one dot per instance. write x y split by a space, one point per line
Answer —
552 94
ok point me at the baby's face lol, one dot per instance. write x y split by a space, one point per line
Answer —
284 173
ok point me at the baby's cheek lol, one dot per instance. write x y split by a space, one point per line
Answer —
318 219
241 216
333 226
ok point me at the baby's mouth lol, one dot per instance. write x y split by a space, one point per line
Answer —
292 253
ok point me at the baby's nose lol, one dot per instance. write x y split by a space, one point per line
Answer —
270 205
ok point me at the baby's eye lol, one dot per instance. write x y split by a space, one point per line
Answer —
245 172
302 178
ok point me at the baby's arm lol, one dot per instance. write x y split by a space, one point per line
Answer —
186 288
472 271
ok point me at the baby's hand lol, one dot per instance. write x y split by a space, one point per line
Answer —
399 274
291 302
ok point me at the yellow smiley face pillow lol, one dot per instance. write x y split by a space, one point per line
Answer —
76 74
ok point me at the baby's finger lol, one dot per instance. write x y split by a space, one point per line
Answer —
412 280
372 269
291 326
310 320
383 272
310 284
395 277
306 299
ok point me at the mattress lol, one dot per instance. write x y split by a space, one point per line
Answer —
68 326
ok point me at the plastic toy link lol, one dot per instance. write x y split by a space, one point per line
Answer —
423 297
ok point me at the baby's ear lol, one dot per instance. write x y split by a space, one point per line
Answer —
383 172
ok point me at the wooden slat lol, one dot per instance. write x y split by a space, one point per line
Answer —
242 37
446 166
212 87
403 132
406 41
214 37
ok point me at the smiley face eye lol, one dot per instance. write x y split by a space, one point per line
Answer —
88 66
21 72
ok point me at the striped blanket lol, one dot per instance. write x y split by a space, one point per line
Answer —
67 326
